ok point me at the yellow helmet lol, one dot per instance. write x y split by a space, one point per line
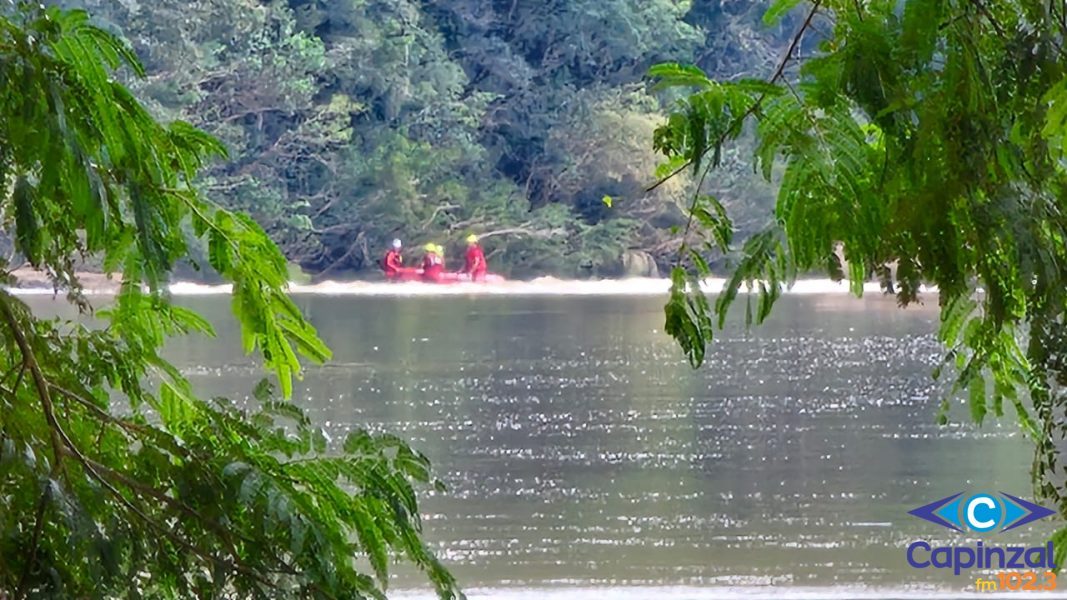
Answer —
430 247
472 239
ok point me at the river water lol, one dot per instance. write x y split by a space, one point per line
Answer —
585 459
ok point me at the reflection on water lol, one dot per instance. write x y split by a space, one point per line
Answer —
580 450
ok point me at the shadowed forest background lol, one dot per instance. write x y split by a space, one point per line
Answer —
351 122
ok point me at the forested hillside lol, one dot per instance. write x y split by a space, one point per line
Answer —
350 122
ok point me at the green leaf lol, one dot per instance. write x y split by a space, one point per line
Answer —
175 408
672 164
678 75
698 122
778 10
688 316
1059 545
27 228
370 536
189 320
977 399
250 488
264 390
297 534
711 214
953 318
703 270
942 412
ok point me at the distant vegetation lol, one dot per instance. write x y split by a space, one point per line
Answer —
353 122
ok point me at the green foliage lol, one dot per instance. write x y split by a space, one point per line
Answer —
117 487
689 315
920 143
778 10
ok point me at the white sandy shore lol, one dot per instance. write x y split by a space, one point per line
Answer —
544 286
32 282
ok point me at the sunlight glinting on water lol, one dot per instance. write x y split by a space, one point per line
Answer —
585 459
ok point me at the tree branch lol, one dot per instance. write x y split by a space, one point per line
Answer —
692 209
39 381
38 526
752 109
437 211
28 361
351 250
755 105
18 380
147 490
101 414
62 446
992 20
95 469
522 230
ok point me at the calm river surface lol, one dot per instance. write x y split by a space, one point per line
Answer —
584 458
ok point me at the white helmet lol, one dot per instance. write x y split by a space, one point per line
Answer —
397 244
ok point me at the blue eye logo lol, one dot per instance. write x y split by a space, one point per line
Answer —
981 512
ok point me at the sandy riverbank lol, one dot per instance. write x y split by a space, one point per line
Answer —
31 279
33 282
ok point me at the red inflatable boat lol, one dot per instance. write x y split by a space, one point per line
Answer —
413 274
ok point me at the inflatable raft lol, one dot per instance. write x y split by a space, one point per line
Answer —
413 274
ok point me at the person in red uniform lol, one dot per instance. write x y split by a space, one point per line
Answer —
393 263
432 265
475 265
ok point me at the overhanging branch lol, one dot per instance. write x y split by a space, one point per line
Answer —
755 105
736 122
40 383
63 446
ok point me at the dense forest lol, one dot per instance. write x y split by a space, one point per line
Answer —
529 122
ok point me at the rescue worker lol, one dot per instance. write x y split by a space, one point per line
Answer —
432 265
475 264
393 263
440 253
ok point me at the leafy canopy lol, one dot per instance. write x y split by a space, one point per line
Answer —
118 487
923 139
